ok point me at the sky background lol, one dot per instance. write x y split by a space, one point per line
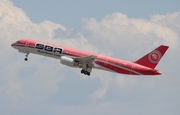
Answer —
121 29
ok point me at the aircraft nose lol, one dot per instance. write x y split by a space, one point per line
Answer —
13 44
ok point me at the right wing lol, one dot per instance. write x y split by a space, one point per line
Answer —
87 59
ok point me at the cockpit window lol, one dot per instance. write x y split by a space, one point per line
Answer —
18 42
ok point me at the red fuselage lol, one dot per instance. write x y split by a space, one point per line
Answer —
100 62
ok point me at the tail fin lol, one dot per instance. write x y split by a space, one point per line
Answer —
151 59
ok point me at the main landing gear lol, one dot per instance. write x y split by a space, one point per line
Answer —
85 72
26 58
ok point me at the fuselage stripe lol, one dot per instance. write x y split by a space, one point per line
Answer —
118 66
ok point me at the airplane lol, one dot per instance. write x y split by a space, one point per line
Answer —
86 60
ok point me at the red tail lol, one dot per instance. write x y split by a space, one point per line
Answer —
151 59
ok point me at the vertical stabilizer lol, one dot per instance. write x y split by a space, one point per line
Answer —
151 59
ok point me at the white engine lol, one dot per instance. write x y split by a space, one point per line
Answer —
69 61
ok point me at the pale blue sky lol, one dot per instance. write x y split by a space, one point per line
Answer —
69 13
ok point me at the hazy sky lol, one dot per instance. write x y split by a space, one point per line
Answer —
122 29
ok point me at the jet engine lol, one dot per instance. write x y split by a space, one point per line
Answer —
69 61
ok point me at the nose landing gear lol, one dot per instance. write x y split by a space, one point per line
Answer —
26 58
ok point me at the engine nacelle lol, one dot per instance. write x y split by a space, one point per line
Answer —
69 61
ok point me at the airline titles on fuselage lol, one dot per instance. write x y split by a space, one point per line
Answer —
47 49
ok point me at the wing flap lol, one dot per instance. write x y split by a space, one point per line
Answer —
87 59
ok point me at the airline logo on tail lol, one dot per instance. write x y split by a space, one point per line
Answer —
154 56
151 59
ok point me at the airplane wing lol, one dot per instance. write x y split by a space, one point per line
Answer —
87 59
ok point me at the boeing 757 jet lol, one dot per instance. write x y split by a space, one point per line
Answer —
85 60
